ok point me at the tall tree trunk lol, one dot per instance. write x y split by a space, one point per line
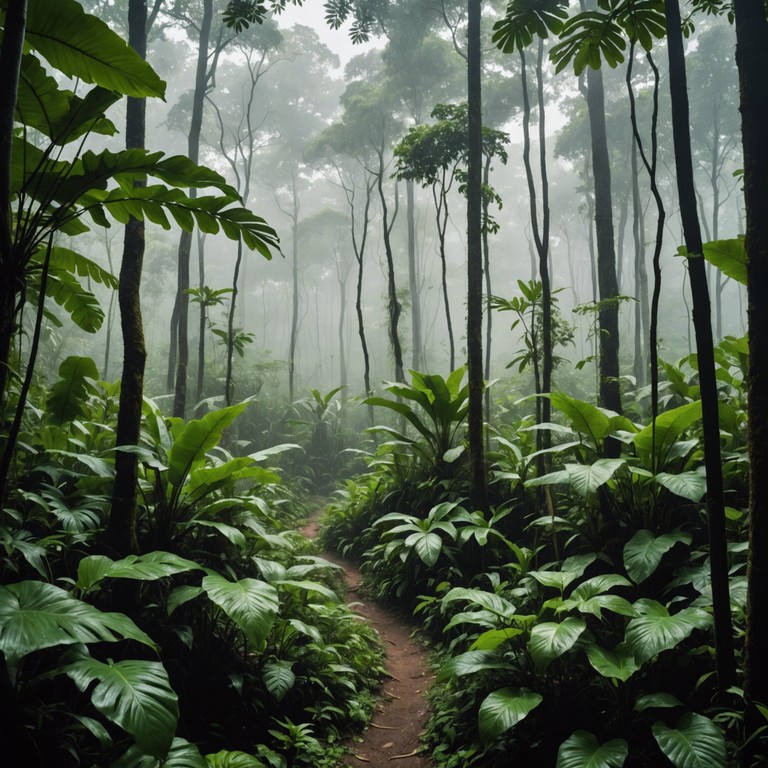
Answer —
608 313
229 385
359 249
342 319
413 277
488 293
718 554
294 298
121 527
440 193
752 61
10 63
478 477
185 241
202 318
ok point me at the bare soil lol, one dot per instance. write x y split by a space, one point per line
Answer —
392 737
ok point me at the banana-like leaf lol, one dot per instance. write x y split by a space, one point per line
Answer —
67 397
83 307
656 630
670 425
149 567
135 695
278 677
584 417
550 640
696 742
582 750
503 709
64 259
251 604
195 439
35 615
643 552
83 46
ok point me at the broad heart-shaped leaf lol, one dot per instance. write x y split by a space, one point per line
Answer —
35 615
82 46
585 479
278 677
77 377
195 439
135 695
149 567
690 485
551 639
251 604
619 664
582 750
655 630
182 755
426 545
488 600
472 662
643 552
504 708
584 417
670 425
696 742
493 638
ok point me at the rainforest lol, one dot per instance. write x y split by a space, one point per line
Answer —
384 382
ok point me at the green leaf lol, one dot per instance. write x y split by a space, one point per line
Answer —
278 677
149 567
426 545
655 630
135 695
670 425
690 485
696 742
550 640
35 615
656 700
582 750
226 759
583 417
587 478
472 662
643 552
82 46
182 755
251 604
503 709
488 600
618 664
81 304
729 256
67 398
196 438
493 638
65 259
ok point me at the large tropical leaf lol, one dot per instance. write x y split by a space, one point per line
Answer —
66 401
149 567
427 546
729 256
526 18
584 417
696 742
550 640
618 664
227 759
195 439
81 304
182 755
82 46
35 615
670 425
251 604
690 485
582 750
585 479
503 709
64 259
472 662
656 630
643 552
278 677
135 695
492 602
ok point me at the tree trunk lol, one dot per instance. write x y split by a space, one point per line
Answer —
413 277
478 478
202 318
752 60
440 193
718 554
185 241
294 295
121 526
488 293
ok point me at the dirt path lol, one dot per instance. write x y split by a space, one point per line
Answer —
401 714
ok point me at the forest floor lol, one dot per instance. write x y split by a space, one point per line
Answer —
392 737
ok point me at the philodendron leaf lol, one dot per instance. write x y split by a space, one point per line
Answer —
655 630
149 567
504 708
182 755
66 401
585 479
618 664
643 552
582 750
135 695
696 742
690 485
35 615
426 545
278 677
551 639
659 700
472 662
250 603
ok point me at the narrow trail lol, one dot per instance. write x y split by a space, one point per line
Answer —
392 737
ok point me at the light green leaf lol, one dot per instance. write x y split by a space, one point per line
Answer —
550 640
587 478
149 567
488 600
584 417
472 662
729 256
427 546
493 638
226 759
582 750
618 664
182 755
670 425
690 485
696 742
503 709
643 552
136 695
251 604
278 676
